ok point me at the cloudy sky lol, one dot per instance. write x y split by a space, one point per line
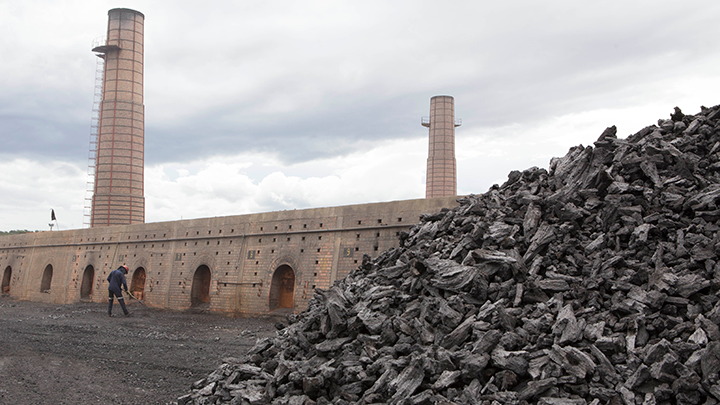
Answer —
256 106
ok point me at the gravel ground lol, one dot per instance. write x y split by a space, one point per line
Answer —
76 354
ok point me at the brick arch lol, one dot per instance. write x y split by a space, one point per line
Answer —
6 277
282 288
284 276
137 282
137 262
200 289
287 259
139 268
200 282
202 259
88 280
47 276
93 262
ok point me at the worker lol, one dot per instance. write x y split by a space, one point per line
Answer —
117 280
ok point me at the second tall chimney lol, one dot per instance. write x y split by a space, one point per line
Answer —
441 179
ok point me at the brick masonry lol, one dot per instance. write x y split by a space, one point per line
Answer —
242 253
441 178
118 198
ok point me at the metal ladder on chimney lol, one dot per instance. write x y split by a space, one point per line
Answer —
92 152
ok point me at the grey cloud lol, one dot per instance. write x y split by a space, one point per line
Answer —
256 77
296 137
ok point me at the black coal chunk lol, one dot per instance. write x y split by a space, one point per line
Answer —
593 282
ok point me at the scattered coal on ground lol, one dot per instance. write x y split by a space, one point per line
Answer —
592 283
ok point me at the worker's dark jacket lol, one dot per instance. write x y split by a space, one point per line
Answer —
117 279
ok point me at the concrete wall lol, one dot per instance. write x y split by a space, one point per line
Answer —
242 253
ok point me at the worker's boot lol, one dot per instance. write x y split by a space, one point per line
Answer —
110 302
122 304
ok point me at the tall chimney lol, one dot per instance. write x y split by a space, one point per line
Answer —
118 198
441 179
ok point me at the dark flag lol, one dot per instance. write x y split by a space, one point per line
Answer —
52 215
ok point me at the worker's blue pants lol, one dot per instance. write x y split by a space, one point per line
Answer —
120 299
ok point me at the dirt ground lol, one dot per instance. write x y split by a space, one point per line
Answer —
76 354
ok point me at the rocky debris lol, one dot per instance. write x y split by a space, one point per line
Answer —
593 283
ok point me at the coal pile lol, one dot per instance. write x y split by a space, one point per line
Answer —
593 283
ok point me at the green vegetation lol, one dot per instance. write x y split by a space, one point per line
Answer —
15 232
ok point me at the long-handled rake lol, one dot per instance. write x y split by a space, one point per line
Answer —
136 299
